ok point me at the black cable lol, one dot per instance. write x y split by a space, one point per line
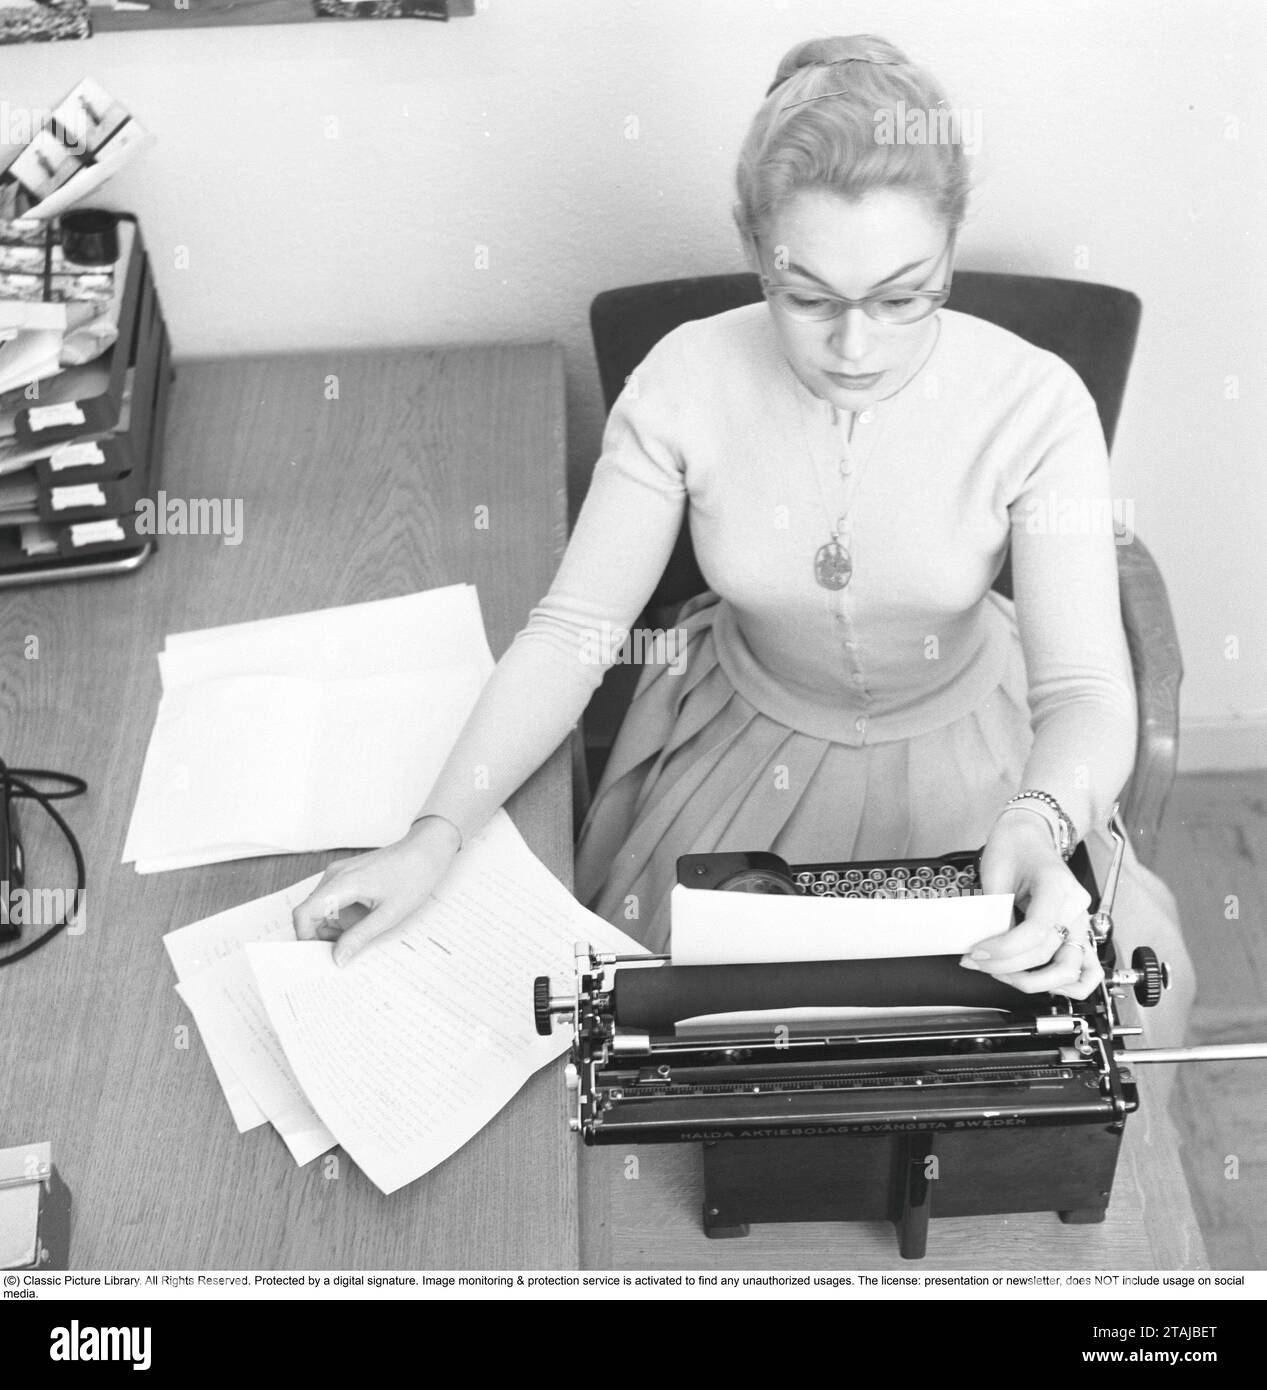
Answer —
14 787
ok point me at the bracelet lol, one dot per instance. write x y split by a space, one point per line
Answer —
432 815
1064 830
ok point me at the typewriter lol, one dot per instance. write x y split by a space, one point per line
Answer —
1018 1105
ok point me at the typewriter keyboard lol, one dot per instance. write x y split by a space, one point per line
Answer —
935 879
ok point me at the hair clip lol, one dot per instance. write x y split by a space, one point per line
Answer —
875 59
844 91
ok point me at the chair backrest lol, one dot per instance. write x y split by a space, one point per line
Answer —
1093 327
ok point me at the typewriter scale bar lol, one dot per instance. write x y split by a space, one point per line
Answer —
646 1083
1038 1091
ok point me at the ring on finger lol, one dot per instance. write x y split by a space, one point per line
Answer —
1062 932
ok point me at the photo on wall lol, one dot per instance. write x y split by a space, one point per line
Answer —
34 21
39 21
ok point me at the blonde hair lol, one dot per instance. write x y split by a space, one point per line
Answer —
798 141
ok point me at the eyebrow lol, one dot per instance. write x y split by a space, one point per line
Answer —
888 280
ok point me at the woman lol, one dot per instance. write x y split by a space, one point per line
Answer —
855 460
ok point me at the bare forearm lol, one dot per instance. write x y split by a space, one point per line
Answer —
530 704
1082 755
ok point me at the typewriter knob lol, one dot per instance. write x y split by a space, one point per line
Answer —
1152 976
541 1014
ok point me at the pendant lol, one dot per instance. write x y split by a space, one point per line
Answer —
832 566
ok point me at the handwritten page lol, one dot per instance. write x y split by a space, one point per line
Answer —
713 928
412 1048
202 944
226 1003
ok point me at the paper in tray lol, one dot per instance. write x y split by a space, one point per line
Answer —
84 400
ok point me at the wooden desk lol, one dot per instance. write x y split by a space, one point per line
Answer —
362 497
345 501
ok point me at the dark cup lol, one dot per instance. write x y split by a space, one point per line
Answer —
90 236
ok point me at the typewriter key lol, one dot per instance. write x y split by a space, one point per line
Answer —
853 875
830 876
892 884
851 893
923 873
876 875
805 878
902 873
819 887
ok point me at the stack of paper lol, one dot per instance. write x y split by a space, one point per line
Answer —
322 730
405 1053
30 342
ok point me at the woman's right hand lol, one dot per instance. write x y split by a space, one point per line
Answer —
360 899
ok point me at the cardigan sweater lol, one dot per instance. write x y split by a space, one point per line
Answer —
991 440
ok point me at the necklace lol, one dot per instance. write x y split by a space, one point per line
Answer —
833 564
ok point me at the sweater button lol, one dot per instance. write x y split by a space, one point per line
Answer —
860 724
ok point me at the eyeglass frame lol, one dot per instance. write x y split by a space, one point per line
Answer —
936 298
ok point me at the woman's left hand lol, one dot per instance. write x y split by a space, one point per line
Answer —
1052 950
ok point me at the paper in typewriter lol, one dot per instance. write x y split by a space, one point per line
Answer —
712 928
410 1050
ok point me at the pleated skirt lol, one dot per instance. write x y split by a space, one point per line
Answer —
697 769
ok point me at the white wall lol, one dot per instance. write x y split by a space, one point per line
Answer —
329 183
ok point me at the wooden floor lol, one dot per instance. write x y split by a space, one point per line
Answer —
1213 856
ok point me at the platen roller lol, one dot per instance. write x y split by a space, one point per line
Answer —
658 997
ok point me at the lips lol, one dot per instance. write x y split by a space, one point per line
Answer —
855 383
